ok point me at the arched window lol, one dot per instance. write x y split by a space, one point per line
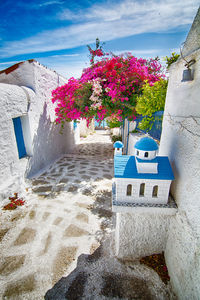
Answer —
129 190
146 154
155 191
142 186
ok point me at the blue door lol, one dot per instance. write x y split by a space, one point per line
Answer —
19 137
75 125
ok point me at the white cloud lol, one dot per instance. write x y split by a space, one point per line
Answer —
72 68
9 62
50 3
67 14
64 55
108 23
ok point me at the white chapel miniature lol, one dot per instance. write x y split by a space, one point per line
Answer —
143 178
118 148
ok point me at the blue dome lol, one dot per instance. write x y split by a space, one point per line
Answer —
118 144
146 144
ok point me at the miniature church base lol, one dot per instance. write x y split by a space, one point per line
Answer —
141 234
141 200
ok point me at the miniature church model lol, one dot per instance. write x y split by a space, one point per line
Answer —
143 178
118 146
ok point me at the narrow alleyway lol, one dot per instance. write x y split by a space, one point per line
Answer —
66 215
65 232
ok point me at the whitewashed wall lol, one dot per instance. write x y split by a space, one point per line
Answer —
84 130
48 143
14 103
180 141
141 234
133 138
126 132
45 143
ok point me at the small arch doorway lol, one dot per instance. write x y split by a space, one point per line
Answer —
142 187
155 191
129 190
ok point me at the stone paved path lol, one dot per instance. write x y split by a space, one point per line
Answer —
59 232
64 218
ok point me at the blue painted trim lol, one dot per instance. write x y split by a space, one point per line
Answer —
123 133
156 129
75 125
19 137
154 160
125 167
127 139
118 144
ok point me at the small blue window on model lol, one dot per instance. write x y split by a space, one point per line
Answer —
75 125
19 137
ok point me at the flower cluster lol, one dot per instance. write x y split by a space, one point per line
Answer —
14 202
108 87
97 52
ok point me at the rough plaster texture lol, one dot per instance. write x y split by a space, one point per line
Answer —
147 234
14 103
182 256
180 141
180 138
27 91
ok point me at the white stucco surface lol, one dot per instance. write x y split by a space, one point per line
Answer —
133 138
118 151
14 103
83 129
180 141
25 92
121 190
141 154
151 168
182 256
141 234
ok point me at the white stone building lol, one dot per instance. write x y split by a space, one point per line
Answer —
29 138
143 178
180 141
176 231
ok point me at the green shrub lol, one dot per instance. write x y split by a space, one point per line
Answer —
171 59
116 138
113 124
151 101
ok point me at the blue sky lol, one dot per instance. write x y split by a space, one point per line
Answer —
56 32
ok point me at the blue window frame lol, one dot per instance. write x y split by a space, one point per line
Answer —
75 125
19 137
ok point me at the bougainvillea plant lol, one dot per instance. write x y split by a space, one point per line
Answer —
108 88
14 202
98 52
